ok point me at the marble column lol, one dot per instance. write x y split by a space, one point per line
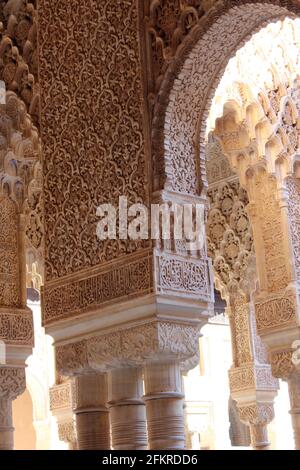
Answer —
127 409
164 405
92 415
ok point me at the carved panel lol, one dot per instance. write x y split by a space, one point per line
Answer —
9 254
92 127
293 186
168 23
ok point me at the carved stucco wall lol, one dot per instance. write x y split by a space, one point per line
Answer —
93 147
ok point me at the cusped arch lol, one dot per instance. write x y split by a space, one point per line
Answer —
179 125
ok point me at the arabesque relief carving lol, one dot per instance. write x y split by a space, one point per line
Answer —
132 347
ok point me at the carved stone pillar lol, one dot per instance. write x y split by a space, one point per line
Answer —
92 415
127 409
164 404
12 384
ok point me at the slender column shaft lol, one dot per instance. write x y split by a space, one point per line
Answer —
127 410
259 437
294 391
92 417
6 425
164 405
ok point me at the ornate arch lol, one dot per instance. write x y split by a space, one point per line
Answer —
188 86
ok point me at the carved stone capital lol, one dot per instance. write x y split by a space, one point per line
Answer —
294 391
256 414
131 346
282 364
12 382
